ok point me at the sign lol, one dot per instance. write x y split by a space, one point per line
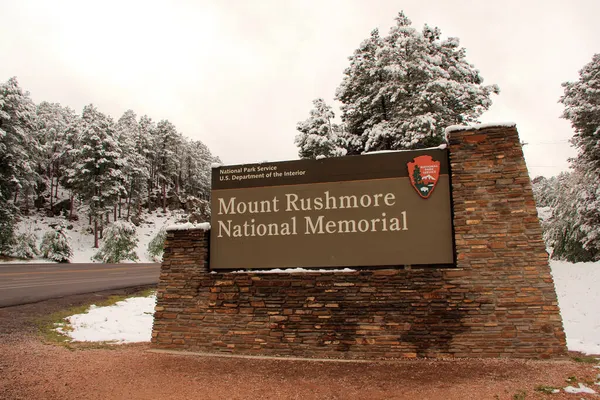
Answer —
371 210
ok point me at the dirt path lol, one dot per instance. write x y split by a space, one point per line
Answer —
30 369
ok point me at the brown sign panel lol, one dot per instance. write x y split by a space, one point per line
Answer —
370 210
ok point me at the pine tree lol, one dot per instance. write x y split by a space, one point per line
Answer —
196 169
18 151
401 91
25 246
135 162
574 230
563 231
56 244
156 247
70 153
119 243
147 144
582 108
53 124
545 191
319 136
98 178
168 166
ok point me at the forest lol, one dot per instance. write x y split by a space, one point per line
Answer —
88 165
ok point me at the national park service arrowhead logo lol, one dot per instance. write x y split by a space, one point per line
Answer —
424 173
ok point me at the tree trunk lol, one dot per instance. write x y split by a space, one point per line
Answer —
164 195
114 212
95 232
120 204
71 206
150 205
384 108
129 201
57 179
51 187
27 193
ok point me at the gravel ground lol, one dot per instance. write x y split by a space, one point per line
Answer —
31 369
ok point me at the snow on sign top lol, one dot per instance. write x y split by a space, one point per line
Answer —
205 226
440 147
457 128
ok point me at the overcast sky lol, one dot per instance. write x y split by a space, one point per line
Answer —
239 74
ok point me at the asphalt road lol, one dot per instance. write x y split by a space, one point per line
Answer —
28 283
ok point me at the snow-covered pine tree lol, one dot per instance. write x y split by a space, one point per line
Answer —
71 147
168 142
545 190
403 90
18 151
582 108
134 146
156 247
196 169
53 124
25 246
563 231
579 206
56 244
319 136
119 243
98 178
147 143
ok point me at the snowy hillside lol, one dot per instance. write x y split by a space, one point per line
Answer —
82 239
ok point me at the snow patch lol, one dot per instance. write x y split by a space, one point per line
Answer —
205 226
127 321
578 296
581 389
216 165
288 271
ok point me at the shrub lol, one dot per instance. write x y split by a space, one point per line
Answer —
156 247
119 243
56 245
7 227
25 246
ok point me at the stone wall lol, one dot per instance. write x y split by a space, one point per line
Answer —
498 301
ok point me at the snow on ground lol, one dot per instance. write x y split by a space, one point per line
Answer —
581 389
127 321
578 297
82 241
576 287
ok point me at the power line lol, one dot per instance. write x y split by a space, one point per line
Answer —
543 143
548 166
